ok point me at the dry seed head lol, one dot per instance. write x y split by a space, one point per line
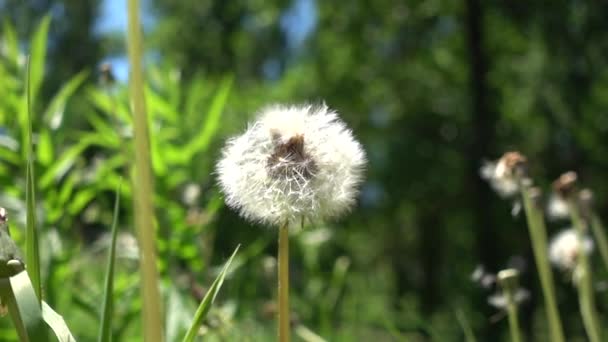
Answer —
512 164
507 173
292 162
565 185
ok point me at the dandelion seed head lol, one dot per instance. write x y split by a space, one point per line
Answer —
292 162
500 301
505 174
565 248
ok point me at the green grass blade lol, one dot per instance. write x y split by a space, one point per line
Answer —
24 307
11 42
142 182
208 300
32 256
469 336
57 323
53 114
38 55
105 329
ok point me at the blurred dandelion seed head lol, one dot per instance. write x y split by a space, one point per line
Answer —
505 174
500 301
557 208
292 162
565 248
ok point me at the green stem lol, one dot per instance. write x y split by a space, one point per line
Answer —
142 184
600 237
584 281
513 319
283 284
538 236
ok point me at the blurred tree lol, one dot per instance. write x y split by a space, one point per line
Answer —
73 46
221 36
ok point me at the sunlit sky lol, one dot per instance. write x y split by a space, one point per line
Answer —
298 21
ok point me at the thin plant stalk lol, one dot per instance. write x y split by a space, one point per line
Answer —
283 283
142 183
513 320
508 282
538 236
584 281
600 237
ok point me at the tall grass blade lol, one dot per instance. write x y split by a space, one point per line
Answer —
142 183
105 329
32 255
208 300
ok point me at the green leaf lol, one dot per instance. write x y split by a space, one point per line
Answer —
24 307
57 324
82 198
65 162
53 115
44 150
38 55
105 330
205 305
212 120
10 42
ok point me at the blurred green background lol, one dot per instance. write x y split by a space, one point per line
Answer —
431 89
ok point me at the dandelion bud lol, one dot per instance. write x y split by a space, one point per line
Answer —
565 185
293 162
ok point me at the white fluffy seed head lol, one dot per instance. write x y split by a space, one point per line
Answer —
293 162
565 248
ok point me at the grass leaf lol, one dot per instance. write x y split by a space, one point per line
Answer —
105 329
57 324
32 255
38 55
205 305
24 307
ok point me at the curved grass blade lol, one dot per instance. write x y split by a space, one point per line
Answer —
206 303
57 323
24 307
105 329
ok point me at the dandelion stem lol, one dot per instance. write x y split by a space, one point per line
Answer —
600 237
283 284
508 282
584 282
538 236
